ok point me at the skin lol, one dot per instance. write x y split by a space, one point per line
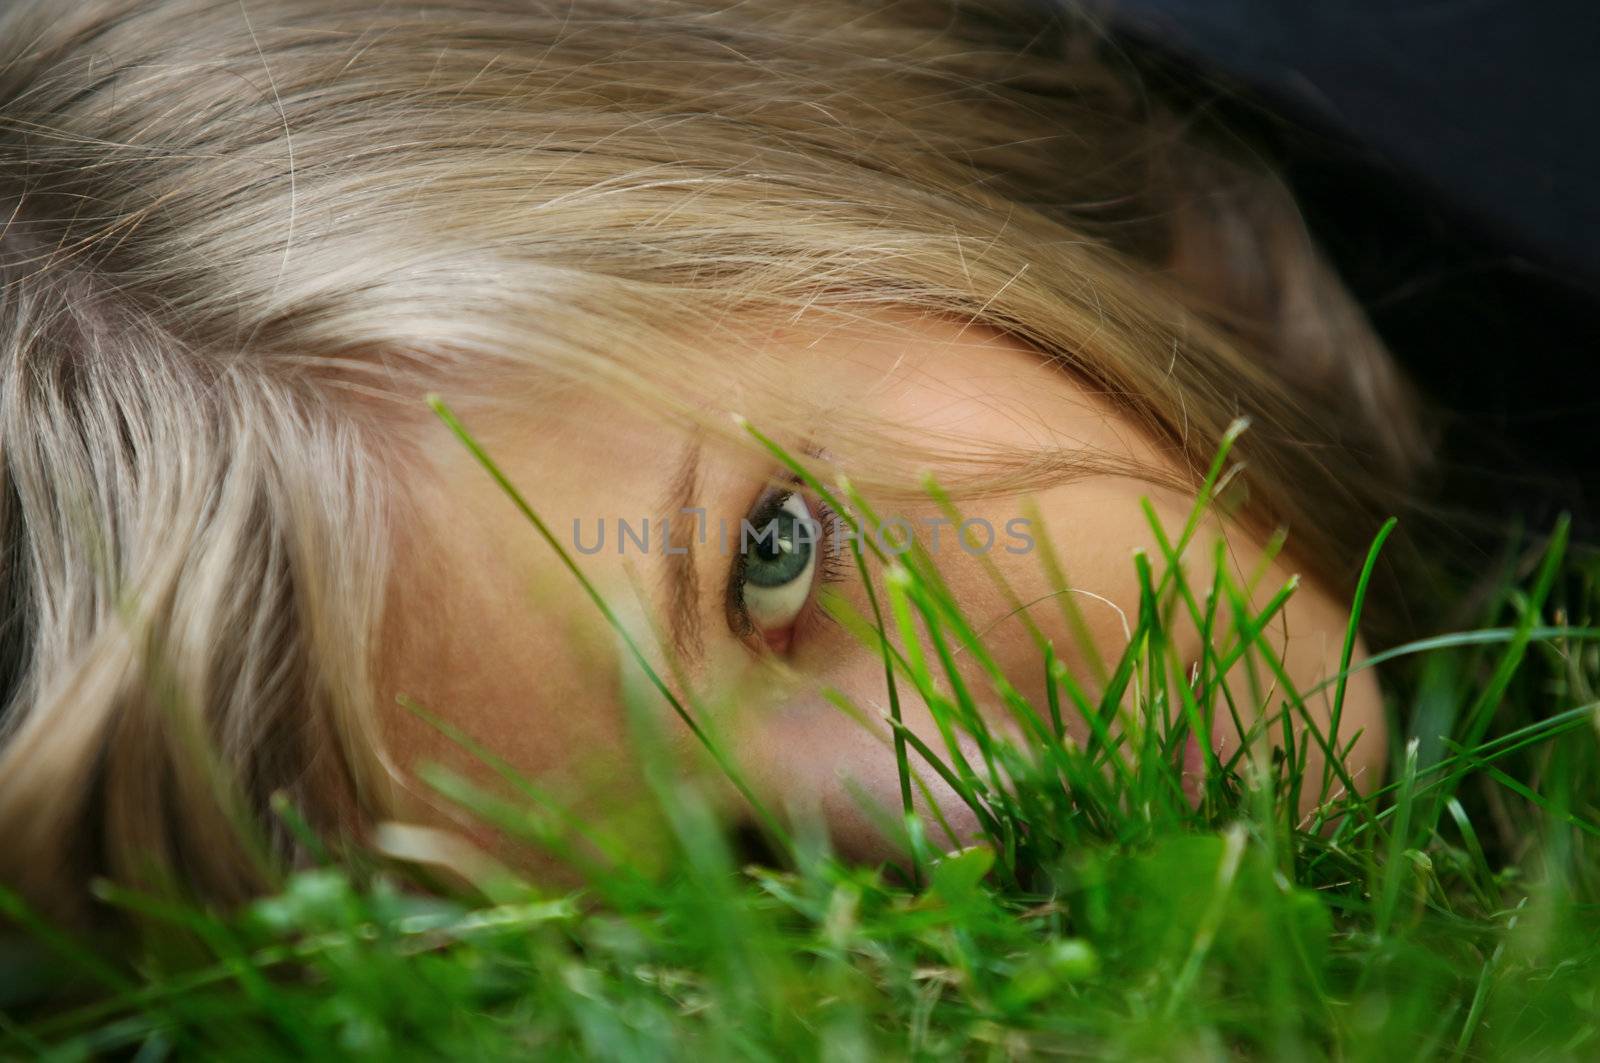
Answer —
487 629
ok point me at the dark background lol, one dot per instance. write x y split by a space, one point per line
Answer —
1445 155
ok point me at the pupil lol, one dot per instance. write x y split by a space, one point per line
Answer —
778 551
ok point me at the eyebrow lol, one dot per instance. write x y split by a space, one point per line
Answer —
682 575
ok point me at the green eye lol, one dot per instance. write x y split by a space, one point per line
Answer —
779 553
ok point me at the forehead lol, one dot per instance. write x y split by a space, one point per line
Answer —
845 387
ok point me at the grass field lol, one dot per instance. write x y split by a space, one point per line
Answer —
1454 913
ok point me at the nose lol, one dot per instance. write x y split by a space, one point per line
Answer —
808 758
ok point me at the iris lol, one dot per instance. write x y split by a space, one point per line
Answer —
778 563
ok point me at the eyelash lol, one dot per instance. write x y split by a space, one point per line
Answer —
831 567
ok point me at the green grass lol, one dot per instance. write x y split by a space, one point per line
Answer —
1453 914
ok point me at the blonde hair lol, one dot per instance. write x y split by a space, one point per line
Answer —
240 240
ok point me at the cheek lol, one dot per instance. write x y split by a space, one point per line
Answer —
1069 577
1094 528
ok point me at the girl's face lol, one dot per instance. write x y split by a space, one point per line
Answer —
488 630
